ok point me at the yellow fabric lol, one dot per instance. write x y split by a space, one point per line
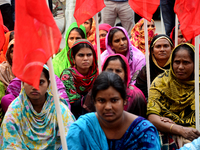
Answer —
172 98
91 33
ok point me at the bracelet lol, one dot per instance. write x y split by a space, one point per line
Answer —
170 129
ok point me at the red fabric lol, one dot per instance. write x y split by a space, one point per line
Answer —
188 13
144 8
86 9
37 38
2 36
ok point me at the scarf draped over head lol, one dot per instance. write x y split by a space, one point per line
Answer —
138 36
75 83
91 33
60 61
24 128
169 97
6 74
105 27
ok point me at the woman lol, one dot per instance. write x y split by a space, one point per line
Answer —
171 106
31 121
103 31
60 61
111 127
117 41
6 74
137 34
79 78
90 30
2 93
159 60
136 102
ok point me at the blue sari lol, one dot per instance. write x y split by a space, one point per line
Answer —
86 133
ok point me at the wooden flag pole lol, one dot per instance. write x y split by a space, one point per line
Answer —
197 82
147 55
176 31
98 42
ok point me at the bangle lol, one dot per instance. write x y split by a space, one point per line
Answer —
170 129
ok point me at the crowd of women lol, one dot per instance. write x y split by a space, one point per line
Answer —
110 110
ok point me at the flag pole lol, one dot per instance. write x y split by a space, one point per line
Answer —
147 55
162 24
98 42
176 30
197 81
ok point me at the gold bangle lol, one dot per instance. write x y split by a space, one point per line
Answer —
170 129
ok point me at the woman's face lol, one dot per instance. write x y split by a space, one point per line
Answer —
181 38
115 66
83 59
183 66
149 25
34 94
11 53
119 43
87 25
162 50
73 36
109 105
102 34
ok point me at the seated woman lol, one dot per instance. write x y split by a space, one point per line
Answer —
79 78
60 61
31 121
171 106
14 88
159 60
6 74
117 41
103 31
90 28
136 102
137 34
111 127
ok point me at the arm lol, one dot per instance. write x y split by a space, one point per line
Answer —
170 127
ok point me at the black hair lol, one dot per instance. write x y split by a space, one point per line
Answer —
116 57
91 21
107 79
76 48
11 36
46 74
185 47
111 34
82 34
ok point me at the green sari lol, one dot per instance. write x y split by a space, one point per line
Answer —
60 61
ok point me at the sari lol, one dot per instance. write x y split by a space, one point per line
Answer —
60 61
141 134
2 93
169 97
135 57
155 69
91 33
138 37
6 74
24 128
77 85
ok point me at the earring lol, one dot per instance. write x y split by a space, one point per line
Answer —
125 102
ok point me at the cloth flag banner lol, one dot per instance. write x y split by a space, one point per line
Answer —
37 38
2 34
144 8
188 13
86 9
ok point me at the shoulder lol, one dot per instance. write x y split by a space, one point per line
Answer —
66 74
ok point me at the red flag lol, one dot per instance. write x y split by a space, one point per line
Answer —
2 34
37 38
144 8
86 9
188 13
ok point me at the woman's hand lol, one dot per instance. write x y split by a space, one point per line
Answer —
190 133
164 119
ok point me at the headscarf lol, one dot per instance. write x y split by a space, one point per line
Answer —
105 27
135 57
138 36
91 33
135 97
169 97
25 128
80 84
6 74
60 61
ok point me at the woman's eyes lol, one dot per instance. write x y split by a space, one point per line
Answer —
114 100
42 82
